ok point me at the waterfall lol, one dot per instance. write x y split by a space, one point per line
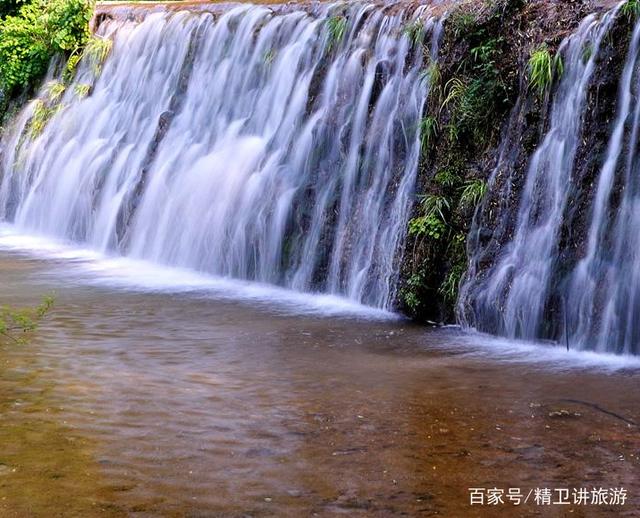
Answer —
603 294
529 289
276 147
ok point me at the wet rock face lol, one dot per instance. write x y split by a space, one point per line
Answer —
501 149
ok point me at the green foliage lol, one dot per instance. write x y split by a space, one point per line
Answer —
630 9
414 31
15 323
82 90
410 291
587 52
436 205
433 222
543 68
96 51
428 131
42 114
72 65
269 56
471 96
462 22
449 287
39 30
431 226
472 193
337 27
432 73
446 178
67 22
55 91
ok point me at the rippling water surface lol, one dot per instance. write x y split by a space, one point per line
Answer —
194 396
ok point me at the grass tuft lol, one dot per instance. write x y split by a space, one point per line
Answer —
337 27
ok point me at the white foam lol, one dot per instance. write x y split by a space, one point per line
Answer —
92 268
545 354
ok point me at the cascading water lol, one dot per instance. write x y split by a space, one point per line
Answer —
594 297
604 287
281 148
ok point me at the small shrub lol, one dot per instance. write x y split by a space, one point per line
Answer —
433 222
431 226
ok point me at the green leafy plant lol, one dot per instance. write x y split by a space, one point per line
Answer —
337 27
42 114
430 226
485 51
540 69
433 222
414 31
428 131
473 192
55 90
15 323
449 287
82 90
462 21
40 29
587 52
446 178
630 9
71 67
269 56
410 291
96 51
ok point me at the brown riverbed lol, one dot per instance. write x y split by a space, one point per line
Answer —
142 403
